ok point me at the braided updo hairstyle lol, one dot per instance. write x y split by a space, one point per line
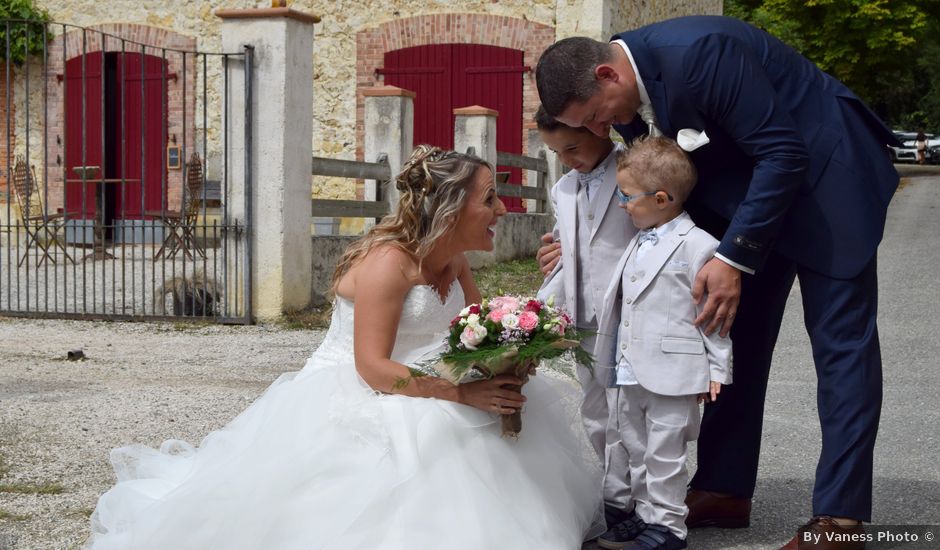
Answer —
434 186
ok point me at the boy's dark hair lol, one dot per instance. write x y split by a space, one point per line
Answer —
547 123
565 72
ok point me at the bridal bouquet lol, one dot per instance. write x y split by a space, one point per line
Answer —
507 335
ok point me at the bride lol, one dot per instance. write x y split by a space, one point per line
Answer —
336 456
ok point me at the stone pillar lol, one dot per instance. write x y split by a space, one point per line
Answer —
389 130
475 127
280 152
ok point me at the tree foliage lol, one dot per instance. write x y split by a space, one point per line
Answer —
876 47
22 28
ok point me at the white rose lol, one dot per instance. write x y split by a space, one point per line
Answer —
510 320
473 320
465 311
472 336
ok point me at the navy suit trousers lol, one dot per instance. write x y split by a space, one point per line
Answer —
841 319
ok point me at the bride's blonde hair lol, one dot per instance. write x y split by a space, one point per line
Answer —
434 185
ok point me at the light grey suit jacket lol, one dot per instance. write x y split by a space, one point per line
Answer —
669 355
611 233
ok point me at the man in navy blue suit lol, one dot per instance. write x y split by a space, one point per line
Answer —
795 182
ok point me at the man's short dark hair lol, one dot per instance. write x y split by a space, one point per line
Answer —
565 72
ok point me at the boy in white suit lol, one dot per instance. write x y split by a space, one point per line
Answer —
664 364
593 234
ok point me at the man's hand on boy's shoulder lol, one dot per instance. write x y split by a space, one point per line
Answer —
549 254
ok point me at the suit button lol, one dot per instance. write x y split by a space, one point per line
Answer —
628 300
623 346
626 323
633 278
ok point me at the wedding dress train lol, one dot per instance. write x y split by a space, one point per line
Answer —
321 461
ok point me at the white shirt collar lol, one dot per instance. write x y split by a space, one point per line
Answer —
644 97
669 226
596 176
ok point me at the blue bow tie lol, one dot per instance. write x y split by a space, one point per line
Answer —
648 235
596 174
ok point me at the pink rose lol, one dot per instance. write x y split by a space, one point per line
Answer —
528 320
472 336
496 315
505 303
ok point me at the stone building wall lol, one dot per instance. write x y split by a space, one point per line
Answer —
352 35
630 15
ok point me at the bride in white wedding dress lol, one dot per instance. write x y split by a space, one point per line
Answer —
334 457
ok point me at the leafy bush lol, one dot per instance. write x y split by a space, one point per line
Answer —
20 20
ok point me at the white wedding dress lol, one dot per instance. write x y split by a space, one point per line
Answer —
321 461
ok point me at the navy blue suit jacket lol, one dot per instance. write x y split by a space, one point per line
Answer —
796 161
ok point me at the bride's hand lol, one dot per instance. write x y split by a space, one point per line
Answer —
491 395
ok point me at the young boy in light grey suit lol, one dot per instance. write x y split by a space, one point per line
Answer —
592 233
664 364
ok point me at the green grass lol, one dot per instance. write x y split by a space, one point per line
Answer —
308 319
514 277
52 488
5 514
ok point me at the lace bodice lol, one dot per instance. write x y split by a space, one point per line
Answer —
422 329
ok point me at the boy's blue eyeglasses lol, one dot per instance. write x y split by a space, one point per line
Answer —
624 198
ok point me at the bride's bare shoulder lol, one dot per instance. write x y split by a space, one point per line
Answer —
385 266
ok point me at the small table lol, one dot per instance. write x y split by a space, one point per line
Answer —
91 175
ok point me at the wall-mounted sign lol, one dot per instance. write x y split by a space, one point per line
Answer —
173 161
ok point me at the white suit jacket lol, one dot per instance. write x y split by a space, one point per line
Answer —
611 233
669 355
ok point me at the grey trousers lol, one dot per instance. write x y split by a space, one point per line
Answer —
597 403
655 430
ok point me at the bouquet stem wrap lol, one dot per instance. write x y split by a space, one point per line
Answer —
508 362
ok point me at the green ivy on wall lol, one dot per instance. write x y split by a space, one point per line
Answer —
20 22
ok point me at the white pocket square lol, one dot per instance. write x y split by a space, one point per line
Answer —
690 139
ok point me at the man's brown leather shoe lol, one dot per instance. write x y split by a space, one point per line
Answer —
708 509
823 533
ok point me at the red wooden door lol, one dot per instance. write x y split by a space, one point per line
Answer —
448 76
143 94
115 118
84 127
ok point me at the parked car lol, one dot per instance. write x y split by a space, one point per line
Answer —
933 151
907 152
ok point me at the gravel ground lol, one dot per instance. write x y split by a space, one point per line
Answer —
140 383
149 382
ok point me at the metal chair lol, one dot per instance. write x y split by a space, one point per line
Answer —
42 228
180 226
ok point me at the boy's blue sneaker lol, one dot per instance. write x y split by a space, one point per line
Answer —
620 534
656 537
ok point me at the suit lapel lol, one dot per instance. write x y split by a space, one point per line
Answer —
605 195
657 93
656 258
568 208
652 79
610 296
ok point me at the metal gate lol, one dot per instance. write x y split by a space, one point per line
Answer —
121 200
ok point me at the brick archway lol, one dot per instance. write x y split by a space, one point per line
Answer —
460 28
